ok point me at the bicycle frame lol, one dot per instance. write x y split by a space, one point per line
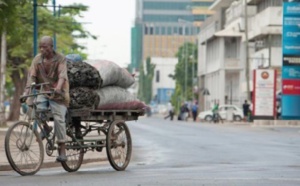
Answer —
37 116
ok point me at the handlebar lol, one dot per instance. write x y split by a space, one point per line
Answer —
47 93
34 92
34 85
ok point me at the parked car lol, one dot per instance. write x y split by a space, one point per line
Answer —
223 111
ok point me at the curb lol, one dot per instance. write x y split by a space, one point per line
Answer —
55 164
256 123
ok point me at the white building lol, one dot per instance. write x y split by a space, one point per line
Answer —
222 46
162 85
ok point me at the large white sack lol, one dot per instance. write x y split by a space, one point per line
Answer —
114 94
113 74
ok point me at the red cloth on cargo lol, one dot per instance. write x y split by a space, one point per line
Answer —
131 105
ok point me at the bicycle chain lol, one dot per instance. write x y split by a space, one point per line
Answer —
84 151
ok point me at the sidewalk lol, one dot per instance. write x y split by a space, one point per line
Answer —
255 123
90 156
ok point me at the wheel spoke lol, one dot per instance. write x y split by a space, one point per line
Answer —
25 155
119 145
75 156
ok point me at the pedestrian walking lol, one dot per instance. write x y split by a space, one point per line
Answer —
184 112
246 109
278 111
195 110
170 110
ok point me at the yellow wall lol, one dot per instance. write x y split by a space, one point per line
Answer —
202 11
164 46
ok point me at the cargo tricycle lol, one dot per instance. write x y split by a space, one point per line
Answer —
25 149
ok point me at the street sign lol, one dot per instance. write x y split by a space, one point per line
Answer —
264 93
291 60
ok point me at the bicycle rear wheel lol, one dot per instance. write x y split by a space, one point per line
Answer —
74 153
24 148
118 145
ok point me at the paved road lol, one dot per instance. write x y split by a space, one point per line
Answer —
187 153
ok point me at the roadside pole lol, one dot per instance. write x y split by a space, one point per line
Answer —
2 78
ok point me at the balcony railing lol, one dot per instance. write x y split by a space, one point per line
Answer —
266 22
232 63
233 12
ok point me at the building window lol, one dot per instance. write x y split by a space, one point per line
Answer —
276 41
268 3
148 5
175 31
187 31
166 18
163 30
157 76
180 31
151 31
157 32
231 48
169 31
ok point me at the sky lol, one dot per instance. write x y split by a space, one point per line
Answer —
111 22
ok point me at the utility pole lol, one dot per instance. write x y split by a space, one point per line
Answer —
54 15
185 69
193 66
231 91
2 77
247 51
185 45
35 25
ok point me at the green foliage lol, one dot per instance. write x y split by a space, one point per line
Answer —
187 55
18 21
16 18
145 81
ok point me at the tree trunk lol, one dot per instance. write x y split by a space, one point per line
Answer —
19 83
2 79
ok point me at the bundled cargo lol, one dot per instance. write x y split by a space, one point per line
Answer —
82 74
101 86
118 98
113 74
83 97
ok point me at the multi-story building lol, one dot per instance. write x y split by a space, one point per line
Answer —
162 26
223 45
265 31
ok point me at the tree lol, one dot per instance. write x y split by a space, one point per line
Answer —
145 81
6 12
187 55
20 37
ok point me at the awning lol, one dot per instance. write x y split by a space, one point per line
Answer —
228 33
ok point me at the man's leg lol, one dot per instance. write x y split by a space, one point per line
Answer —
42 107
167 116
194 115
171 115
59 115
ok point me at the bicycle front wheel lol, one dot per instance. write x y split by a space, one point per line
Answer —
118 145
24 148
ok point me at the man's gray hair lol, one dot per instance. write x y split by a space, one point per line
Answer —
47 39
